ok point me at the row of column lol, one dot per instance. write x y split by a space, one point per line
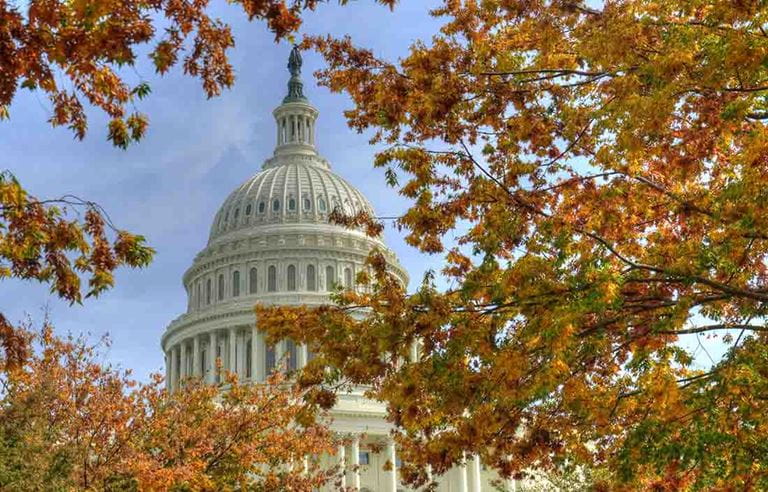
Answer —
350 468
469 471
196 356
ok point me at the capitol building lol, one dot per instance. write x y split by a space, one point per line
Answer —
271 242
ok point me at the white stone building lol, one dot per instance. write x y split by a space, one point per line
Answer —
271 242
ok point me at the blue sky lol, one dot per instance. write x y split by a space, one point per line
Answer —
169 186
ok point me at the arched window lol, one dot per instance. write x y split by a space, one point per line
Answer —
269 361
347 278
275 205
248 352
311 283
321 204
208 291
272 279
292 353
235 283
198 297
221 287
330 278
307 203
248 209
291 277
292 204
237 213
253 280
262 206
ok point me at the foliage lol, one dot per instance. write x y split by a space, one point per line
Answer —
68 422
595 176
73 51
41 240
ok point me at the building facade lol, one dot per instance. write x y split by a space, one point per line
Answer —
271 242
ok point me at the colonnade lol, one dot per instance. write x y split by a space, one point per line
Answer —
468 472
242 350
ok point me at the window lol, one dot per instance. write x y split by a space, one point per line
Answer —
208 291
248 209
203 361
347 278
262 206
364 458
248 352
221 287
292 204
253 281
321 204
198 297
237 213
235 283
330 278
307 204
311 283
272 279
292 353
275 205
270 358
291 277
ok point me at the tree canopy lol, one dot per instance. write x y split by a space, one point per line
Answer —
594 175
69 422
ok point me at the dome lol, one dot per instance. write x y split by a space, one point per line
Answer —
272 240
290 189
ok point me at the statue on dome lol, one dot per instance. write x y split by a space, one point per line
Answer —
294 61
295 86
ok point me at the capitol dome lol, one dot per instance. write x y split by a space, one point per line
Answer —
271 242
291 189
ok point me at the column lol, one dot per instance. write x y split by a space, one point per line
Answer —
168 371
241 340
355 462
232 362
196 357
255 358
211 374
463 474
172 375
343 465
392 457
280 354
303 355
414 355
475 469
183 363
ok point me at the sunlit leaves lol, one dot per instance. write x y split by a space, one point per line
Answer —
595 176
68 422
46 242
